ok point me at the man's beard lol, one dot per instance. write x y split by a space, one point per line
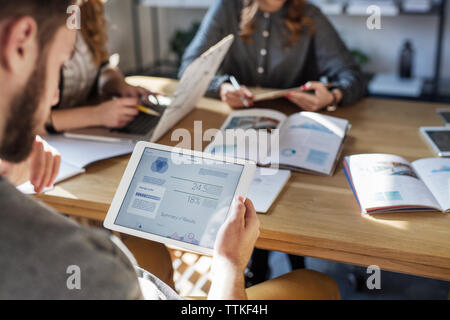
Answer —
19 134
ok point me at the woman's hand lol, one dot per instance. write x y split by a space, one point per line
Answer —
125 90
320 98
113 84
41 167
116 113
236 98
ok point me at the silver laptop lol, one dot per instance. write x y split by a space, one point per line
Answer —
191 88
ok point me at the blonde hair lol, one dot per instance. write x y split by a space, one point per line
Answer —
93 29
295 20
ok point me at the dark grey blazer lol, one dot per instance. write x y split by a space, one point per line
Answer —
267 62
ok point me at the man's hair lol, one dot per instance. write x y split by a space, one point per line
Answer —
50 15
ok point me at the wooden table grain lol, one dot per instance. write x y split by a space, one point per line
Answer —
315 216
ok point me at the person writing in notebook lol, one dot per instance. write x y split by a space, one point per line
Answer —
279 44
89 77
38 245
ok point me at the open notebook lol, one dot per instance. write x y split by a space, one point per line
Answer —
389 183
77 154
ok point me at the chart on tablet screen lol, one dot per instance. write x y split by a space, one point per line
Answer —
185 201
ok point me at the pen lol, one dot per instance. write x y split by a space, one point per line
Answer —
237 86
147 111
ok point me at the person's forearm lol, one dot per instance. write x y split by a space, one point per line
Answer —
338 95
227 282
214 86
108 80
353 86
69 119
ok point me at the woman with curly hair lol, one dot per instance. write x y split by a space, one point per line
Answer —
88 76
279 44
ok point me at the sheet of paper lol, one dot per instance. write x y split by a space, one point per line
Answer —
66 171
76 154
435 173
311 141
28 188
383 181
266 186
80 153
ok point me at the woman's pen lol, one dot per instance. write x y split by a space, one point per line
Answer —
143 109
237 86
147 111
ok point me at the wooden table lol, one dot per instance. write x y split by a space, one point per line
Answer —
314 216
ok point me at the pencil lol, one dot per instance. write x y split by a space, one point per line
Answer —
147 111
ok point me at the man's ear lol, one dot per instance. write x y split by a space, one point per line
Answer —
19 45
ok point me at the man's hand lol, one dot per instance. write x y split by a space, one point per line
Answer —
41 167
232 251
237 237
320 98
236 98
45 163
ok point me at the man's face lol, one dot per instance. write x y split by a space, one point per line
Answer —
31 104
60 51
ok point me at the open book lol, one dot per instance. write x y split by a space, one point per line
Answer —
304 141
76 154
388 183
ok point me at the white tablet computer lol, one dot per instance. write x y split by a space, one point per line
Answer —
438 138
176 196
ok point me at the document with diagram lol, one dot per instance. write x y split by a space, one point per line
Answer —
389 183
305 141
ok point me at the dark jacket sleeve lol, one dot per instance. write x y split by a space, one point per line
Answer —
335 61
210 32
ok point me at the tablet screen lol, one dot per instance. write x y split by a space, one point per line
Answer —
441 139
185 201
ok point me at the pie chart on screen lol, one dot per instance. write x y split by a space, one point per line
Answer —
160 165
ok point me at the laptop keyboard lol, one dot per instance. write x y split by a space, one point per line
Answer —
141 125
